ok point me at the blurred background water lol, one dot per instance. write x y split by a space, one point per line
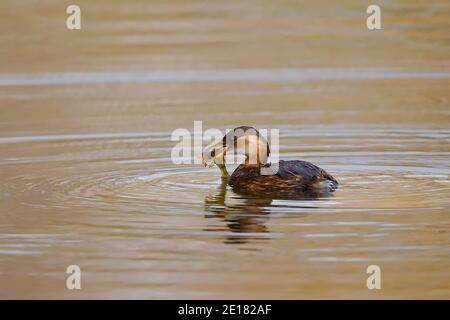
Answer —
86 176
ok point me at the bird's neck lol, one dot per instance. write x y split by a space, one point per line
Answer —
223 170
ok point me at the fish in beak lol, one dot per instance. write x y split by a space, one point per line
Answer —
214 154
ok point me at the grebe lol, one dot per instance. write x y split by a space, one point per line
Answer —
256 176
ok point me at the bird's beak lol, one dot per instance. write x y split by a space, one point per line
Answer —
214 154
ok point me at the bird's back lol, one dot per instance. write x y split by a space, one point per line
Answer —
293 177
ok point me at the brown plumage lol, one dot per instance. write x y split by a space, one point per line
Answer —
294 177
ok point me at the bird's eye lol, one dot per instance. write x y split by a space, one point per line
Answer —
213 153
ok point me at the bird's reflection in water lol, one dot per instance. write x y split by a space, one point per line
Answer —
245 215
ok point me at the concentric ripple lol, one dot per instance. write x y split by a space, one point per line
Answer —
134 172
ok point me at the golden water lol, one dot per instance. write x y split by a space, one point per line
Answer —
86 177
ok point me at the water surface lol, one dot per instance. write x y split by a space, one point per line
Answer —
86 176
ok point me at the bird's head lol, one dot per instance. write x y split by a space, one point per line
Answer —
244 141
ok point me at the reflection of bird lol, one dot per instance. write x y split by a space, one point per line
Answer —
246 218
293 178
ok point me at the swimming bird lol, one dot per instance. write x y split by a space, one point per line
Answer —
257 176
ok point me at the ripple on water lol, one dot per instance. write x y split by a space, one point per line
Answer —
76 174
